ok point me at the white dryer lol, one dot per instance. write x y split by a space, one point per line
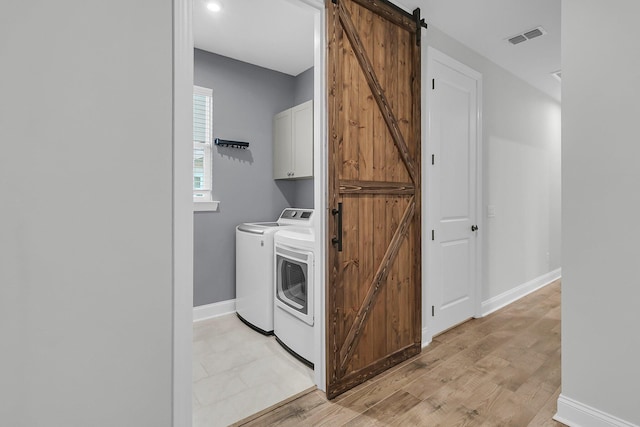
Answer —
294 288
254 269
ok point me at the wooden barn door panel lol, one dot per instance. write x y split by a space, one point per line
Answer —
373 290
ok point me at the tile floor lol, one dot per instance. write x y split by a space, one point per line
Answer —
238 372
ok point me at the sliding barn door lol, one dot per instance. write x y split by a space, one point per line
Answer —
373 290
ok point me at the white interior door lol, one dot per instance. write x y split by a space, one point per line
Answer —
452 199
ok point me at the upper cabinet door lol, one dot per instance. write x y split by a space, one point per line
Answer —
293 142
282 137
302 117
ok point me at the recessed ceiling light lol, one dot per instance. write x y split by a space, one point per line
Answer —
214 7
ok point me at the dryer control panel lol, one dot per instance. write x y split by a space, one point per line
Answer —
300 216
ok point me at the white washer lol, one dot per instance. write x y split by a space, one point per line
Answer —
293 276
254 269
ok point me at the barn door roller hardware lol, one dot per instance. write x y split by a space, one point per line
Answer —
419 24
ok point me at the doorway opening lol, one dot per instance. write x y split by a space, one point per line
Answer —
253 77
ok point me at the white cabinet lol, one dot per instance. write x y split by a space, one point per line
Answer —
293 142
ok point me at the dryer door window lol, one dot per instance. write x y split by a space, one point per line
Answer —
292 283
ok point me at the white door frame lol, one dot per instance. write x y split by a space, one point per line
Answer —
320 200
432 54
182 268
182 233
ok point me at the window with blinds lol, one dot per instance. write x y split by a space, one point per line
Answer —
202 139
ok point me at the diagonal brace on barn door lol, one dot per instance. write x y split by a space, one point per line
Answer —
355 332
376 90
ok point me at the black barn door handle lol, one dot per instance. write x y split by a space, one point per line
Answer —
337 240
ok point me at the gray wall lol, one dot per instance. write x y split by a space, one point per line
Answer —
601 206
303 91
245 99
86 220
303 87
521 173
303 195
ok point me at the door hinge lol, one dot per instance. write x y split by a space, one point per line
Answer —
433 311
433 159
433 234
433 84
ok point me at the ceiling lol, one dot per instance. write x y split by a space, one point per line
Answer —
485 26
274 34
278 34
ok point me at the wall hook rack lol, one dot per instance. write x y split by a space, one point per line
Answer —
232 144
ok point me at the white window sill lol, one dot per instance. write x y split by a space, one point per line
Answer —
206 206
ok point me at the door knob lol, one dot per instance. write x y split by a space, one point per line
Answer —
474 228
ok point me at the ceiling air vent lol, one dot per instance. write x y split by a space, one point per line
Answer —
527 35
517 39
533 33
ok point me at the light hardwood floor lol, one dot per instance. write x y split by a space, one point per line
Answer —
501 370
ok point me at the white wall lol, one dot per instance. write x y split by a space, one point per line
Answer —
601 206
86 213
521 177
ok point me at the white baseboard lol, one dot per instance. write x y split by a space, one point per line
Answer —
506 298
577 414
216 309
426 337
